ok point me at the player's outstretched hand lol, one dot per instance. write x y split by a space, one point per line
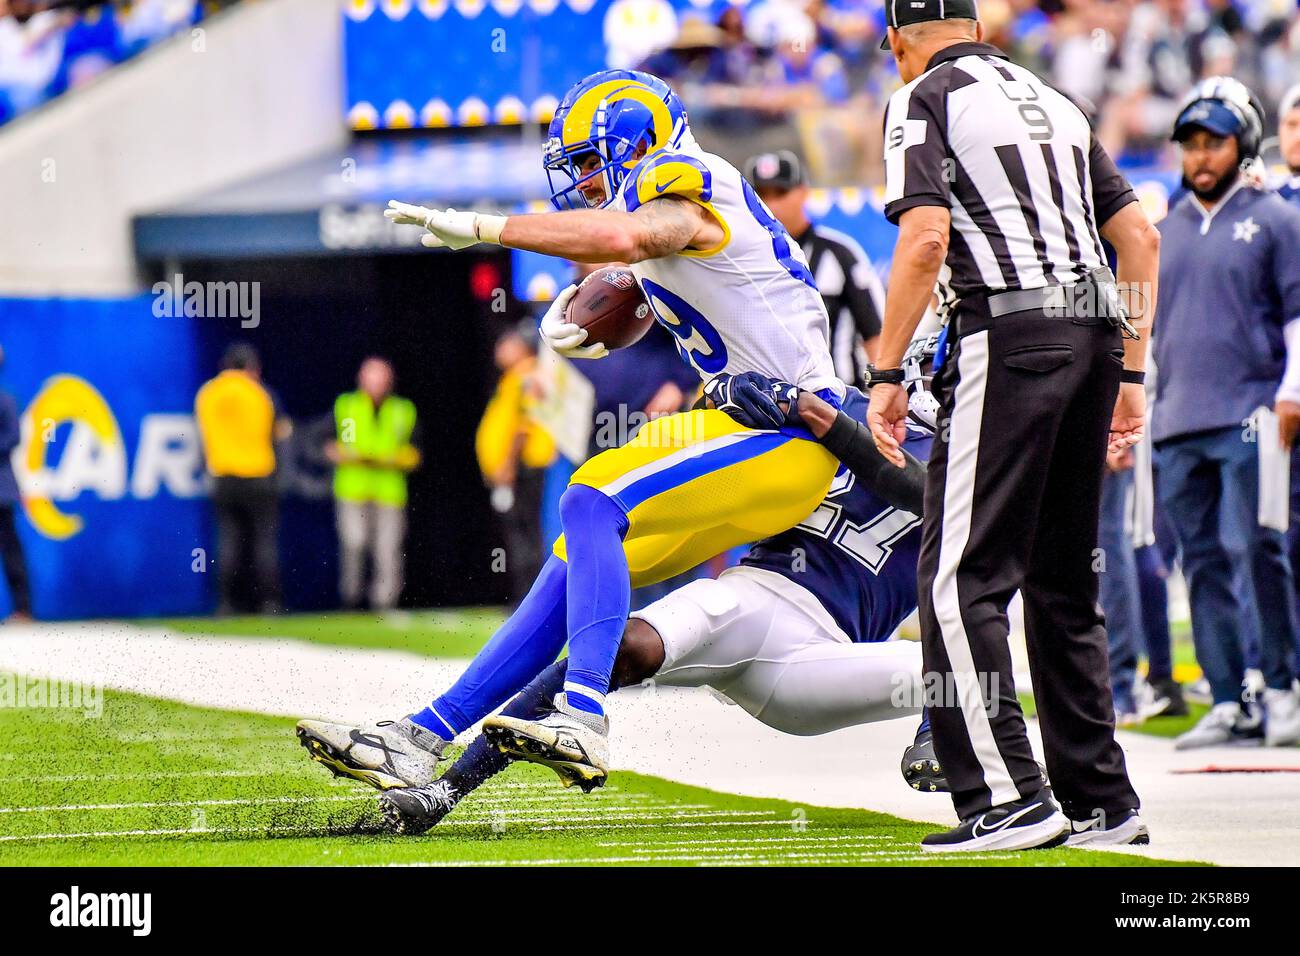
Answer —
448 229
567 337
752 399
887 419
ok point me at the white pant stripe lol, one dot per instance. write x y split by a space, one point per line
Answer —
958 497
691 451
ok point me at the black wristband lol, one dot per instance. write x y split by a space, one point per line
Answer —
1132 377
850 441
883 376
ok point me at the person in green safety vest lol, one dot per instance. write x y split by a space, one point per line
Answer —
373 451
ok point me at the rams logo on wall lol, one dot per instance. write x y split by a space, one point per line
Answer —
72 445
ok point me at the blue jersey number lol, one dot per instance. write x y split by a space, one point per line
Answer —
781 241
697 340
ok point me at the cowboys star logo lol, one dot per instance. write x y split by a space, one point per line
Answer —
1245 230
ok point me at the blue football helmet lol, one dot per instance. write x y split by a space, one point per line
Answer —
610 114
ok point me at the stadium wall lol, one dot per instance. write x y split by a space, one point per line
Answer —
202 110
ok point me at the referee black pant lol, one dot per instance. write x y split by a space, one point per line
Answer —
1012 502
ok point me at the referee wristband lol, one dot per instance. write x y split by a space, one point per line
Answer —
1132 377
884 376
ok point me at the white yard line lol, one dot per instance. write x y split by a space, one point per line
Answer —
686 736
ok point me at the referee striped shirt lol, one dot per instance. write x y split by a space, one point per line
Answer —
1014 160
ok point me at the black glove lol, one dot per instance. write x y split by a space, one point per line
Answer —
751 399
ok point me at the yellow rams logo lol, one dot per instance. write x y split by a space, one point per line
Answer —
94 455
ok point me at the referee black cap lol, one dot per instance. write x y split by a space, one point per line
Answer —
777 170
903 13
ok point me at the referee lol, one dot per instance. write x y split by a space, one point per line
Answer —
847 282
1002 195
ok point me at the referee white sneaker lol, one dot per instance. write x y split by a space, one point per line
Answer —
1034 823
572 742
1127 830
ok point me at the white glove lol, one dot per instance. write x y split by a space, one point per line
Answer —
564 336
447 227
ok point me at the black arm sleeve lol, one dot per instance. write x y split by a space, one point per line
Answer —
850 442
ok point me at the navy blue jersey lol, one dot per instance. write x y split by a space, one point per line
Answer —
855 553
1220 328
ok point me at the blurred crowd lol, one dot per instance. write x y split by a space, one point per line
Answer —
50 46
1133 59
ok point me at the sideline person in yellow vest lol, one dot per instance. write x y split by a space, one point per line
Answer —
513 453
372 454
237 423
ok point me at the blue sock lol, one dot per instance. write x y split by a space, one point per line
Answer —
925 721
532 638
481 761
599 593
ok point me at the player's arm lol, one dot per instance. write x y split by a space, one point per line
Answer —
757 401
659 227
850 441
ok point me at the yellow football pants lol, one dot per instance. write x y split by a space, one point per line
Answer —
696 484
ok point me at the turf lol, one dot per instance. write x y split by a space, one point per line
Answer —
160 783
450 633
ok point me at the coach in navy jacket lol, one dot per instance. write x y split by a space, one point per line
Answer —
1229 304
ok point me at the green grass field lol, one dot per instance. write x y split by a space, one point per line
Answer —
159 783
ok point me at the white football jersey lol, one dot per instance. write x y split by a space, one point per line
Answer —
748 305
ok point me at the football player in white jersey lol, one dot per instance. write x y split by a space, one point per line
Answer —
724 277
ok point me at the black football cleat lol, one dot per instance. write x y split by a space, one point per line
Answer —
1029 824
411 811
921 767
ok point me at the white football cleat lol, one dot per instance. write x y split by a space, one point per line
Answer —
1281 717
386 755
572 742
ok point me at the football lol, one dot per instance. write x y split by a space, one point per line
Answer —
611 307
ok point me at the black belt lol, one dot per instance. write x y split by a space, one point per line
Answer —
1096 297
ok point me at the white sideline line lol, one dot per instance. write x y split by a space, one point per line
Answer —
672 820
162 775
737 858
583 813
650 844
149 805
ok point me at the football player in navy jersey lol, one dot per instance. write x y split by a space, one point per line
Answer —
798 634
